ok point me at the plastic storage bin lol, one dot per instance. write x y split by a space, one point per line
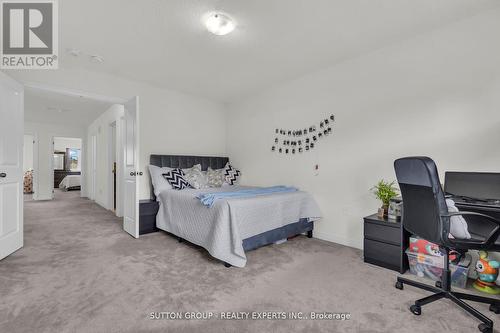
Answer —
424 265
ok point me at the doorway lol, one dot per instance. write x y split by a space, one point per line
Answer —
67 161
112 163
93 167
47 118
29 158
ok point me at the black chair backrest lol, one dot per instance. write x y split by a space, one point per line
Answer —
423 199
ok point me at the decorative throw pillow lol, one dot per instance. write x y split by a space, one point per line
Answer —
215 177
458 225
176 179
231 174
195 177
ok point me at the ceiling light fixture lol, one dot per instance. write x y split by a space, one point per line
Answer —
219 24
56 109
74 52
92 57
96 58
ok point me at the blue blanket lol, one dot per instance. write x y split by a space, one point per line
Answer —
208 199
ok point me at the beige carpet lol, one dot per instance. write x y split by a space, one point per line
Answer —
79 272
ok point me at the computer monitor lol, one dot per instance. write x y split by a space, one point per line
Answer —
479 185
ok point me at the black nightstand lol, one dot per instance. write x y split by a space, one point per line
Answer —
385 243
147 216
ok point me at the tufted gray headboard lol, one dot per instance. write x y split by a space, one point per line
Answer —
184 161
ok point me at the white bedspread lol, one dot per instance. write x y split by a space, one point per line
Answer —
222 228
70 181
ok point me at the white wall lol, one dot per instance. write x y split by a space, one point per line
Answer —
43 164
28 150
437 94
170 122
102 130
60 144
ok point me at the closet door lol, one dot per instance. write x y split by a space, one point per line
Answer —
11 165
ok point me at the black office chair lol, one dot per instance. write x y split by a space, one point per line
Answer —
426 215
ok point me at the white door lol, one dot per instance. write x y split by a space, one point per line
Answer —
11 165
131 167
94 166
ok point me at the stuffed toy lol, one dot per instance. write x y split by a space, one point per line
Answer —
487 271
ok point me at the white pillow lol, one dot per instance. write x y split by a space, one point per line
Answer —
458 225
159 182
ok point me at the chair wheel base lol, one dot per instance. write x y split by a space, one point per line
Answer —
495 308
485 328
416 310
399 285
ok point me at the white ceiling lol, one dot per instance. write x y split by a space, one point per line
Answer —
53 108
165 43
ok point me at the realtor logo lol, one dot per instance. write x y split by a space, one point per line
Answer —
29 34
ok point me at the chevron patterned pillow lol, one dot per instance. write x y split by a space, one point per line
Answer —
231 174
176 179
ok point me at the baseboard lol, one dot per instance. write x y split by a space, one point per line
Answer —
100 203
338 240
42 198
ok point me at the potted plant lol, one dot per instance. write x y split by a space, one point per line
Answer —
385 191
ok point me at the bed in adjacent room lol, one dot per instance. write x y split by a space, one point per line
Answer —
232 219
71 183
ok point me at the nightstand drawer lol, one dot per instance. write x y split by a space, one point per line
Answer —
383 254
147 224
147 216
383 233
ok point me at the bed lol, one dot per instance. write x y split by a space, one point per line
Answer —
28 182
232 226
71 183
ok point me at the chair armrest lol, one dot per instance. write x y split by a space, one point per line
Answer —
492 219
492 236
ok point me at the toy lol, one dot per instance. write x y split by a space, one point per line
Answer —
488 274
419 245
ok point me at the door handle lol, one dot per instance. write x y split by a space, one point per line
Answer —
3 175
132 173
140 173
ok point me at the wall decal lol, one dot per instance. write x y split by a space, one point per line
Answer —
310 136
